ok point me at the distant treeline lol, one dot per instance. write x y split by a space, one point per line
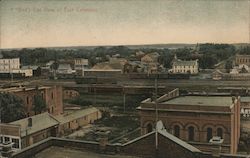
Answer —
208 54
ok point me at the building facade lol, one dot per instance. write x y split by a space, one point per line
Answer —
242 59
28 131
71 122
196 119
52 96
7 65
185 67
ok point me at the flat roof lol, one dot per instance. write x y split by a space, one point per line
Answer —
59 152
201 100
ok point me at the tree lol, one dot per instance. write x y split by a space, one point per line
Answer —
39 104
11 108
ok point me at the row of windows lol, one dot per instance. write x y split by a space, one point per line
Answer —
13 140
191 132
28 98
184 67
185 71
243 60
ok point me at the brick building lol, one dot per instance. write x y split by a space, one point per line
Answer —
51 95
156 144
195 119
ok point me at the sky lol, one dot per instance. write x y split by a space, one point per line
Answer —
44 23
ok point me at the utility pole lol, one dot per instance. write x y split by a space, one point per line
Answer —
124 100
156 112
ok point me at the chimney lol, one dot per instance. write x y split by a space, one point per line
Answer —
30 122
233 99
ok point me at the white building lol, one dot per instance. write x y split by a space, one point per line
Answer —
26 72
7 65
185 67
81 63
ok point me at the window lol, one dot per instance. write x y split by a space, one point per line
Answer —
149 128
1 139
52 95
220 132
177 131
27 100
191 133
16 143
6 139
209 133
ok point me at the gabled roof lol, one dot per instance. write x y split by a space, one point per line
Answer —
108 65
75 115
39 123
162 131
64 67
184 63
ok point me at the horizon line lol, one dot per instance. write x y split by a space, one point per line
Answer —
113 45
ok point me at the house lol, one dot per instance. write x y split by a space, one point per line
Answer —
80 65
36 70
28 131
184 67
196 118
64 69
150 58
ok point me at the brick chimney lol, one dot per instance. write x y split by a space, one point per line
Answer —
216 145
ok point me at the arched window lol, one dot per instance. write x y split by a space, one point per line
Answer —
191 133
177 131
209 133
220 132
149 128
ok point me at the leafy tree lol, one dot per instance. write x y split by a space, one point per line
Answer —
207 61
11 108
39 104
228 65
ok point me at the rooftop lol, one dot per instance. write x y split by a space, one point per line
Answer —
59 152
39 122
75 115
18 89
184 63
201 100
